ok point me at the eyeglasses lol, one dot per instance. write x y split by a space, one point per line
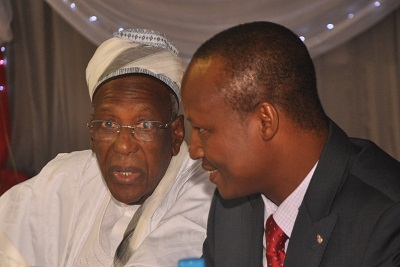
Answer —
107 130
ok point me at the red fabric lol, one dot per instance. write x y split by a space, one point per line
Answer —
5 129
275 243
9 178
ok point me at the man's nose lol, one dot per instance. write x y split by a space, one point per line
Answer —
126 142
195 149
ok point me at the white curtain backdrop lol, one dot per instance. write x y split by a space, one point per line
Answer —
189 23
49 43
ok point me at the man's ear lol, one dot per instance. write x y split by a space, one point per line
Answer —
178 133
269 120
91 117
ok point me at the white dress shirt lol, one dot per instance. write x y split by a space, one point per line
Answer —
285 215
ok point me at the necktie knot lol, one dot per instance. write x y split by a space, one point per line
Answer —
275 243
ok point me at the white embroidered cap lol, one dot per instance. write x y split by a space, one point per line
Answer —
136 51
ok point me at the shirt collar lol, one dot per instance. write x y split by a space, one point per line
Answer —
286 213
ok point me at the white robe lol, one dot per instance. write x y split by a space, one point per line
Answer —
52 218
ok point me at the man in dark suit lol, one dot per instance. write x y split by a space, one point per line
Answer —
250 95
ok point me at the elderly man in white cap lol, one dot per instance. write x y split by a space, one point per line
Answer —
136 185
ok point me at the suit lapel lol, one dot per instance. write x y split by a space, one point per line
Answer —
314 223
239 232
307 246
257 222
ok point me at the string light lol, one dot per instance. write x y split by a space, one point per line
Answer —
2 69
351 15
91 18
3 60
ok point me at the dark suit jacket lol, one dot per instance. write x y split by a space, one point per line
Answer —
352 202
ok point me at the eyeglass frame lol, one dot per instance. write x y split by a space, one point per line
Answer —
132 128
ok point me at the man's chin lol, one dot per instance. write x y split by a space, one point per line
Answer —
125 200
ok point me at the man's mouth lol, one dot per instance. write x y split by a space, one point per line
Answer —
126 175
213 173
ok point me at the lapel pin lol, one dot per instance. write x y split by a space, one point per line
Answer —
319 239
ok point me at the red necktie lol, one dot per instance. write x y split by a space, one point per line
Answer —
275 243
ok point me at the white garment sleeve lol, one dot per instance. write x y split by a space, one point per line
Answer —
15 207
9 255
43 217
